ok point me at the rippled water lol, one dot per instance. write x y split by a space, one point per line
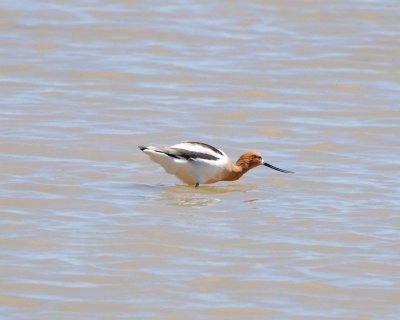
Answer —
91 230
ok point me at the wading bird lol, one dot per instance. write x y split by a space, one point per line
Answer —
198 163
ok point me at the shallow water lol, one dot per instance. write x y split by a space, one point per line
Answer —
91 229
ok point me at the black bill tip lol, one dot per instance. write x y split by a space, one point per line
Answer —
142 148
276 168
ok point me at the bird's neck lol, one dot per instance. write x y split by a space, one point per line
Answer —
237 170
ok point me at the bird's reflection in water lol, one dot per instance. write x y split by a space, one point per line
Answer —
186 196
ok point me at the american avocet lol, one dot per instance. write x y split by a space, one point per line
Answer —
198 163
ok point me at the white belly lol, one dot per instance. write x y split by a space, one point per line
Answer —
192 172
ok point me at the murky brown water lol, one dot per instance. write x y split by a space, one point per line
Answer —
91 230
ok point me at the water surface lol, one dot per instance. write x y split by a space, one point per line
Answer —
91 229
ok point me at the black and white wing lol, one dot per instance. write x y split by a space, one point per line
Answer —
197 151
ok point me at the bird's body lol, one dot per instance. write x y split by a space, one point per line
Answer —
199 163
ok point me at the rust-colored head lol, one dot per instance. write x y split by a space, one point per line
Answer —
250 160
247 161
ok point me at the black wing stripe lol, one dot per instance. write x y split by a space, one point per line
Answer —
169 154
191 155
205 145
177 153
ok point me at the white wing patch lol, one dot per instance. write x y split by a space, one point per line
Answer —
162 159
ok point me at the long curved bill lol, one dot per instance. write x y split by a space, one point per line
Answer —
275 168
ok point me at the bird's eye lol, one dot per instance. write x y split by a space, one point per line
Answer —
259 157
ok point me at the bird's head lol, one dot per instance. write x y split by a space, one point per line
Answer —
252 159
